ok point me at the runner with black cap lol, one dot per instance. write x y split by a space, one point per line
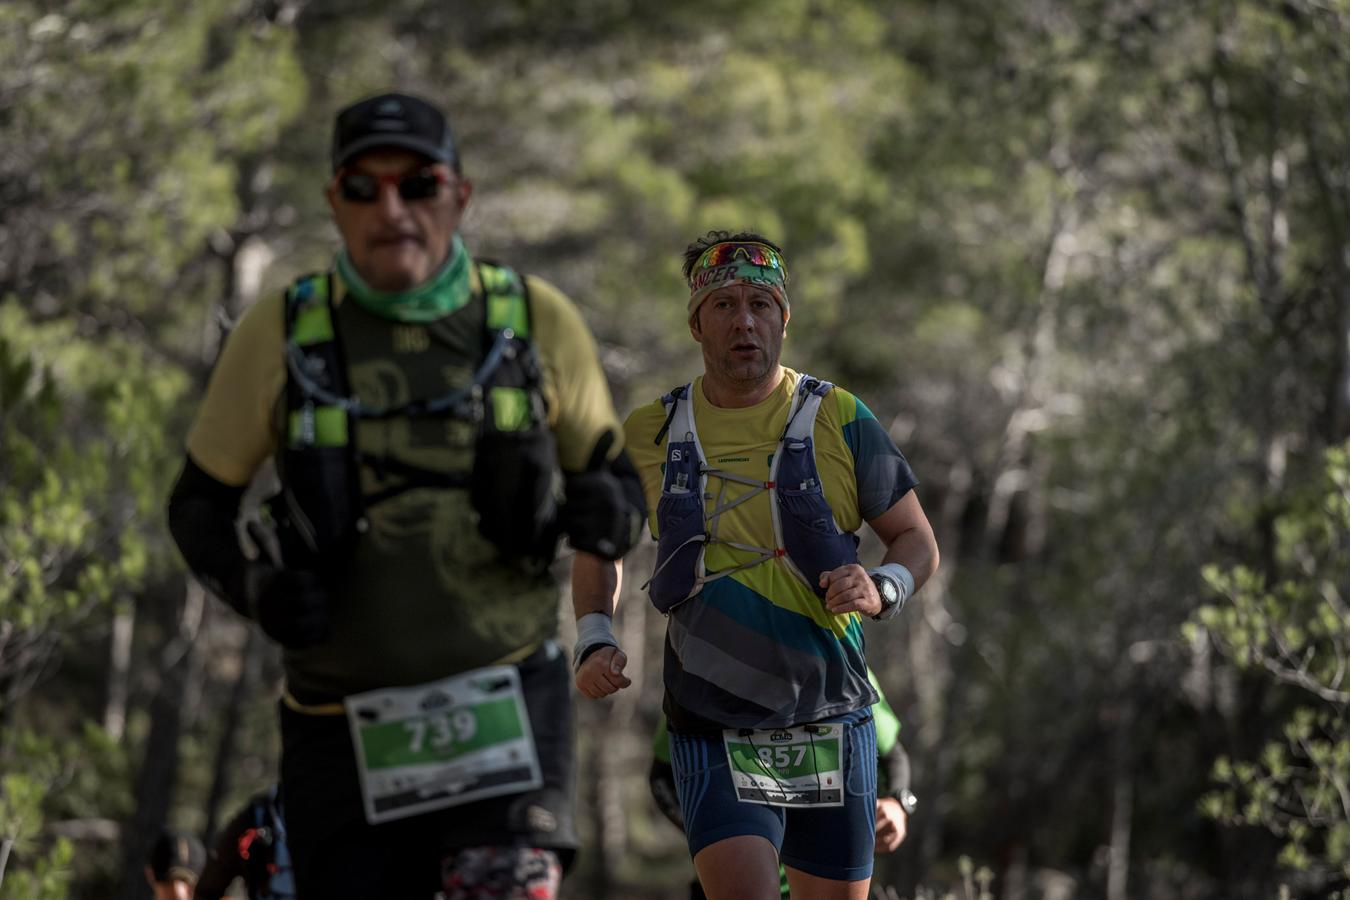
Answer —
438 422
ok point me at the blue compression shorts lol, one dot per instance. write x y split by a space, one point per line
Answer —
834 842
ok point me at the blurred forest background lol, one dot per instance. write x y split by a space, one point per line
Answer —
1086 259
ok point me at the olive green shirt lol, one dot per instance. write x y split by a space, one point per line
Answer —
425 596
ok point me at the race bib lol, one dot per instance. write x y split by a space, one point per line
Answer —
442 744
795 767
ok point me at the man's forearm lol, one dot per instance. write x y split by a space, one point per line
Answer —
595 598
916 549
595 584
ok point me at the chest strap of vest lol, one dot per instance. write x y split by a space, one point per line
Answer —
506 316
680 420
312 345
410 476
466 402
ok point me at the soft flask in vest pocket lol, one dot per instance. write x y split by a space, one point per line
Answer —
811 538
514 483
316 514
683 531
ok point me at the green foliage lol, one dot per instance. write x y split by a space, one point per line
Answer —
86 452
34 870
1296 628
1085 260
127 125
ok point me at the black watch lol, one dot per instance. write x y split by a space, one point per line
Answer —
907 800
889 592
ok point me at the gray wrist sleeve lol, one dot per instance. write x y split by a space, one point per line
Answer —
594 630
901 576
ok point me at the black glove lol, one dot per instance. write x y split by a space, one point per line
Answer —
600 515
291 605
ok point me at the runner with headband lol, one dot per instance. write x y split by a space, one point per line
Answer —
758 478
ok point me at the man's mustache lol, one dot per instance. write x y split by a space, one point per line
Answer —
394 237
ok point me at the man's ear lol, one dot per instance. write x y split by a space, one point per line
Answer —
463 192
695 327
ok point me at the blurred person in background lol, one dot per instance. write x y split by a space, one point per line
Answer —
174 864
251 846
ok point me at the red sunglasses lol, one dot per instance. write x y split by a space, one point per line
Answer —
361 187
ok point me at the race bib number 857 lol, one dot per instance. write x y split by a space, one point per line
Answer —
796 767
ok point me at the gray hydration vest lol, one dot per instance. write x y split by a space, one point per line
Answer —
807 536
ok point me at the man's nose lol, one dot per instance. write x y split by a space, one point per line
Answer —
389 203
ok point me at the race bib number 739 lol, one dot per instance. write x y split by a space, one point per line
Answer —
442 744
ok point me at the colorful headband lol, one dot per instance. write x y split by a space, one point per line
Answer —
732 262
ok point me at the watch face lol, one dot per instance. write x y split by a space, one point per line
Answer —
890 595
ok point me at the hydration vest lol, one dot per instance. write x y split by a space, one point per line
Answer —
807 537
322 508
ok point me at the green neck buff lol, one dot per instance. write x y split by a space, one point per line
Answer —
435 298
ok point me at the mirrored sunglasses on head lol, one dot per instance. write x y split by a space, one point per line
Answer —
730 253
362 187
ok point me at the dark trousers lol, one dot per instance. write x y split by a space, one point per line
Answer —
337 854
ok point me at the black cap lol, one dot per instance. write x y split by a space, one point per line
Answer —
393 120
176 856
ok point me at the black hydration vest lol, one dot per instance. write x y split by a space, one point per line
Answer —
321 511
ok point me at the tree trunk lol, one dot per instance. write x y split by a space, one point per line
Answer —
119 673
1336 213
159 767
224 767
596 791
5 845
1122 808
931 665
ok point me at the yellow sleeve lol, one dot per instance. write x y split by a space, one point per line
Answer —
581 410
234 432
640 432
